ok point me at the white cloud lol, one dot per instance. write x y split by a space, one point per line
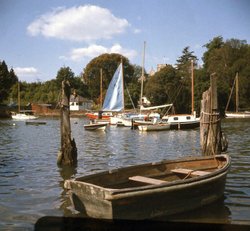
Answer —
94 50
25 71
117 48
87 52
83 23
28 74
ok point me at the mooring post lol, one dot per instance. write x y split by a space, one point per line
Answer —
210 122
67 155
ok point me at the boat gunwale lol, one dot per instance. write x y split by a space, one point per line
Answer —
171 186
112 194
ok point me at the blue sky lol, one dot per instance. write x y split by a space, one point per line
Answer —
38 37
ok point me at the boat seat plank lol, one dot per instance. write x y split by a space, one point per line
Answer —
147 180
190 171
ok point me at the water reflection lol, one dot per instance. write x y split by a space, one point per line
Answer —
216 212
31 184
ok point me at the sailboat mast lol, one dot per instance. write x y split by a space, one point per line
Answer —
142 75
101 87
19 97
231 92
237 93
123 100
192 88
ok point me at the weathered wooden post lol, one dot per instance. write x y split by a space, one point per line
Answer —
210 122
67 155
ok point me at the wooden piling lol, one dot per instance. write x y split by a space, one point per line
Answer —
210 122
67 155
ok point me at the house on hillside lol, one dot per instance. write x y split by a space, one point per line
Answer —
77 103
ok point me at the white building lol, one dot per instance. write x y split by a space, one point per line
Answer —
79 103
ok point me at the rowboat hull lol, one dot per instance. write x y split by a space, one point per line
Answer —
119 195
95 126
154 127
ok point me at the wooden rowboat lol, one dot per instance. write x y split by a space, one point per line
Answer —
95 126
151 190
154 127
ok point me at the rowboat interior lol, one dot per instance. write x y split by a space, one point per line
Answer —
156 174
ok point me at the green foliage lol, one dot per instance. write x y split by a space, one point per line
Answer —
169 85
163 87
108 63
7 80
65 73
225 59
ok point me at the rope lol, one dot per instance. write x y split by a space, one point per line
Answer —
212 122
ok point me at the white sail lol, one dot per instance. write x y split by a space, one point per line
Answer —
114 99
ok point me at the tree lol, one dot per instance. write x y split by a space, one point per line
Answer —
184 63
225 59
7 80
76 83
79 86
65 73
164 87
184 73
134 87
108 63
214 44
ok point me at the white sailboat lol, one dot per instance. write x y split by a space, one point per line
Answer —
24 114
235 114
114 99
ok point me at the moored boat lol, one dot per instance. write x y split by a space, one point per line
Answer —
24 115
99 115
185 121
151 190
95 126
237 113
182 121
154 127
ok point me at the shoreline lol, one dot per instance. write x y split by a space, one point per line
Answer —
5 113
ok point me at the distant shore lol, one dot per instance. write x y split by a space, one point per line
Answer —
5 113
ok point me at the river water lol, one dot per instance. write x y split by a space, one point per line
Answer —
31 184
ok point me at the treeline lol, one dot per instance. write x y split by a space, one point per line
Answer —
171 84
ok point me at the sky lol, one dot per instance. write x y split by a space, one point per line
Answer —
38 37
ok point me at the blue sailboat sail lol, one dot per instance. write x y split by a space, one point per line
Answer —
114 99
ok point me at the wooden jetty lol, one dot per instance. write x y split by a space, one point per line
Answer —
35 123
